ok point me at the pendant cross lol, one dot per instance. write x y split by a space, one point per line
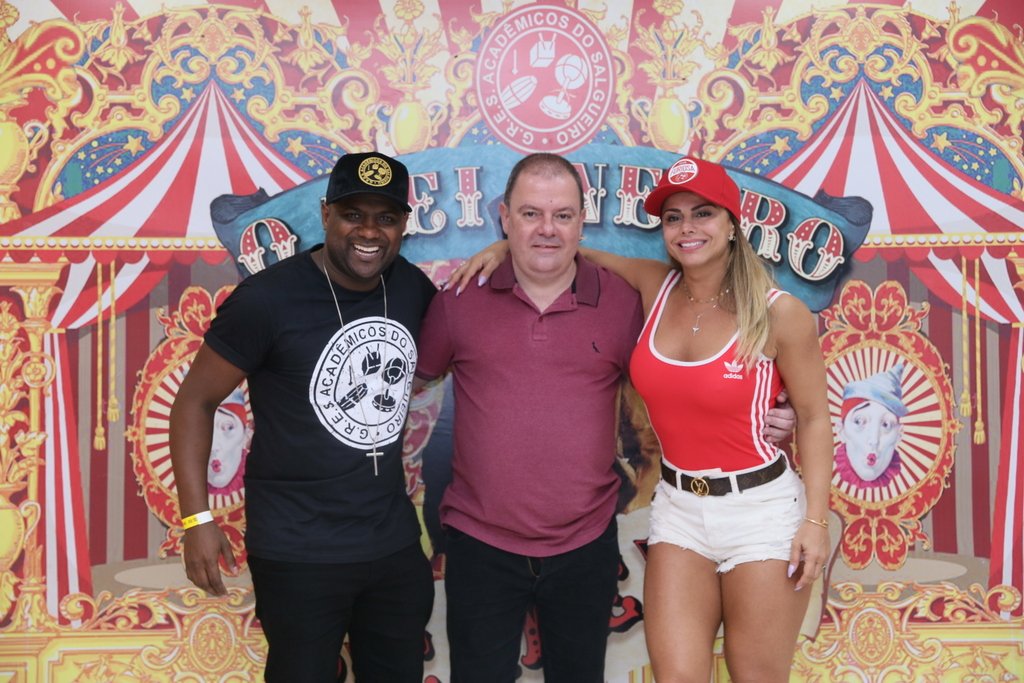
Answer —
374 454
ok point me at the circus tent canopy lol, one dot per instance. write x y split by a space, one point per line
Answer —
863 150
146 215
167 193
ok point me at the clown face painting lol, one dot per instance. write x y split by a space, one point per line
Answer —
870 429
232 434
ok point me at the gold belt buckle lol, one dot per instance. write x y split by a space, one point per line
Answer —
699 486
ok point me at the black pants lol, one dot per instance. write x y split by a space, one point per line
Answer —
307 608
489 592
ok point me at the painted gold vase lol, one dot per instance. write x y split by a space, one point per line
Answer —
668 123
14 159
412 125
14 525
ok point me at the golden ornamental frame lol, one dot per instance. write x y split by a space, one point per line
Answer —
870 331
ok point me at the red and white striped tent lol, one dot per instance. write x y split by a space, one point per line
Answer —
211 150
863 150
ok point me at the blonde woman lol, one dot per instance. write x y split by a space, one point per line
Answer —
737 538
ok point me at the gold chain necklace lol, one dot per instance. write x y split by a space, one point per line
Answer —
374 453
693 300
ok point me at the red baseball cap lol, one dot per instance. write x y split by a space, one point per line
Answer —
705 178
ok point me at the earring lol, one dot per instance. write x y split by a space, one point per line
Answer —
732 237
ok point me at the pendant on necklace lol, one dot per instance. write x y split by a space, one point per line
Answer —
696 323
374 454
693 300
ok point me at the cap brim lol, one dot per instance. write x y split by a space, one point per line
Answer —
330 200
655 201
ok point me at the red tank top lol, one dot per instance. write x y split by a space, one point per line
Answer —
707 414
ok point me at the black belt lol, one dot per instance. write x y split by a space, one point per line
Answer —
719 486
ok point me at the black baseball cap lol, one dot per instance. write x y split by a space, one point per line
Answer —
369 173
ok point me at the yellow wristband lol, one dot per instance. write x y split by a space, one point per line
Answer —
197 519
823 523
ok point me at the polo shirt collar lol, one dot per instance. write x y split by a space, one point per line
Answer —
587 285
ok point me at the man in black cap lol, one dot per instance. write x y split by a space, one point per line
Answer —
326 341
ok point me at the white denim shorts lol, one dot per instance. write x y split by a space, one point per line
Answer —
753 525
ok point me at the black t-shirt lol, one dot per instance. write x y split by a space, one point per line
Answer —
322 399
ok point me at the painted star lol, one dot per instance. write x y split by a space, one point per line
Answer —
134 144
187 94
295 146
238 95
940 141
781 145
836 94
886 92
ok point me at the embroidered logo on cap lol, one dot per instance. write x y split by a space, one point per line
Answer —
375 171
683 171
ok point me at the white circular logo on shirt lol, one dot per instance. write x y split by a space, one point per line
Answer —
361 384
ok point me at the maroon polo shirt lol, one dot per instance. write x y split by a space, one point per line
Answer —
534 433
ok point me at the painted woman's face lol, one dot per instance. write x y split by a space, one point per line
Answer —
229 436
870 432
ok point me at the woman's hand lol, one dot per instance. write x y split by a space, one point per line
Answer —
480 264
810 547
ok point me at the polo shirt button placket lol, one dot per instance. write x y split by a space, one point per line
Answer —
539 329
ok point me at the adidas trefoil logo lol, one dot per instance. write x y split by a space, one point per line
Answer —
734 370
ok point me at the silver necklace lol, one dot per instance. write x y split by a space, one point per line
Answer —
374 453
693 300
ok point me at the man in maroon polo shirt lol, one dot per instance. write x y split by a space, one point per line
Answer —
537 356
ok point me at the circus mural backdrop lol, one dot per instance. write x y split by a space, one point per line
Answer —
153 154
